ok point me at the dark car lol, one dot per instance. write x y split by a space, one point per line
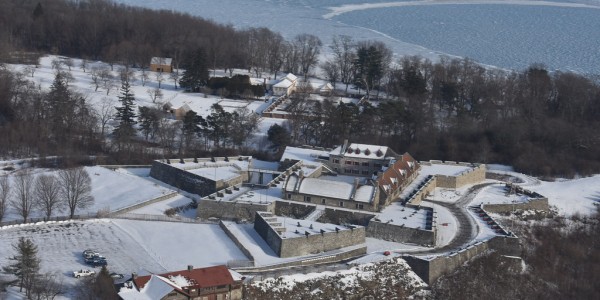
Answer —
98 262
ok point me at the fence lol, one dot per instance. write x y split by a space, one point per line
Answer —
53 219
161 218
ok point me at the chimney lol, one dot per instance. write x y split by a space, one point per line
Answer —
344 146
190 268
134 275
301 174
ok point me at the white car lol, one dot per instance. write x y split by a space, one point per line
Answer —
83 273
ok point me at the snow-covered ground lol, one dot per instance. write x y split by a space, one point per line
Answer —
111 190
506 34
129 246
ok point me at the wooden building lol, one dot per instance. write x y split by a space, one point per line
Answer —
161 64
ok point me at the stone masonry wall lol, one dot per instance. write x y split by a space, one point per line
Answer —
338 216
317 243
536 204
293 210
475 175
231 210
304 245
181 179
431 269
400 234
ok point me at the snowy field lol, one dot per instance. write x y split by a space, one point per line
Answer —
507 34
129 246
111 191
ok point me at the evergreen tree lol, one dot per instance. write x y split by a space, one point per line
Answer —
219 124
125 113
26 264
279 136
196 74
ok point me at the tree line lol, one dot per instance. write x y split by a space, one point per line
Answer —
27 193
540 122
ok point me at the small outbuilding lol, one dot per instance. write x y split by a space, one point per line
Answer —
161 64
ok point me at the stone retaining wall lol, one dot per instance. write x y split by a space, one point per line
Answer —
338 216
430 269
293 210
227 210
236 241
400 234
311 244
536 204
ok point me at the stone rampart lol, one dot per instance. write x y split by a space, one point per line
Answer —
400 234
301 244
229 210
236 241
430 269
535 204
474 175
293 210
339 216
182 179
426 187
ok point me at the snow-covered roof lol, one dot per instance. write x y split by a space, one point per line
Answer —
303 154
362 151
285 83
294 228
156 288
291 77
444 169
219 173
364 193
161 61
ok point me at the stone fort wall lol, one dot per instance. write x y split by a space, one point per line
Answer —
475 175
431 269
305 245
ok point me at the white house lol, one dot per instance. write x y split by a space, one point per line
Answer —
286 86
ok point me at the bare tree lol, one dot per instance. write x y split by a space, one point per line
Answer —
23 198
332 71
155 94
105 112
57 64
107 79
69 63
47 286
29 70
159 78
4 195
144 76
175 77
127 74
308 47
84 64
95 74
344 56
76 187
47 194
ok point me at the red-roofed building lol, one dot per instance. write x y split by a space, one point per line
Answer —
212 283
396 177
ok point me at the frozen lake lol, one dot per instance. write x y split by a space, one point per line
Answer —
508 34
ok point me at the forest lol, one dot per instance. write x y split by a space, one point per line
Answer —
539 121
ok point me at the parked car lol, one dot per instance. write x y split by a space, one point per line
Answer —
83 273
116 275
98 262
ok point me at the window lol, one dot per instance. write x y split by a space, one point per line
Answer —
365 164
359 206
336 161
306 199
341 203
347 171
323 201
348 162
355 171
377 165
356 163
289 196
365 172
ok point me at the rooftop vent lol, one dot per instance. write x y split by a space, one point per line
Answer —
379 153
